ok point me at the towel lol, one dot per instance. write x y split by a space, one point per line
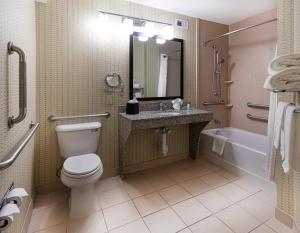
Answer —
163 73
284 62
289 138
219 144
279 119
285 80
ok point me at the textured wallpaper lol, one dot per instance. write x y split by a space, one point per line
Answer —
74 54
17 24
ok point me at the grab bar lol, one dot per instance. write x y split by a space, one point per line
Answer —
260 106
22 85
256 118
56 118
18 148
213 103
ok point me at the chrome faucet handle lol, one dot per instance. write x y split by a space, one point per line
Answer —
161 106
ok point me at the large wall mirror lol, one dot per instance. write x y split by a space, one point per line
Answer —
156 69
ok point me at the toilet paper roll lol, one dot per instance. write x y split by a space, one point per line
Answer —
7 215
16 195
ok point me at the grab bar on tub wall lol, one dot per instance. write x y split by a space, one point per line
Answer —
22 85
221 102
260 106
256 118
56 118
16 151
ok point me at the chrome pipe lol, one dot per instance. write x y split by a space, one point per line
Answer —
256 118
260 106
18 148
22 85
57 118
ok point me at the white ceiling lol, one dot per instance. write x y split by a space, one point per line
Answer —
221 11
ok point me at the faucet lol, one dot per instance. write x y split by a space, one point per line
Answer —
161 106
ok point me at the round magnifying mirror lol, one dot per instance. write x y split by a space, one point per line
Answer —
113 80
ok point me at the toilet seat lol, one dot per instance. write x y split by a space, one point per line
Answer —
82 166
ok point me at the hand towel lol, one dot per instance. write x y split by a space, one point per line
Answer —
286 80
289 138
219 144
163 74
279 120
284 62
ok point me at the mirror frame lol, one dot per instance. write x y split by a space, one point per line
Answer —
181 41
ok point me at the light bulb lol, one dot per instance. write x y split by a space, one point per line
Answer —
103 22
149 29
168 32
143 38
128 25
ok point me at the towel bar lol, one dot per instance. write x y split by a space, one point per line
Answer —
260 106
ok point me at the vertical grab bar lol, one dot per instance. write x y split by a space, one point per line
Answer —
22 85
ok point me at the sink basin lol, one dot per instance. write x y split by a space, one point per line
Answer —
168 113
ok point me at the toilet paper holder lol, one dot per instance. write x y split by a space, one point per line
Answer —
4 198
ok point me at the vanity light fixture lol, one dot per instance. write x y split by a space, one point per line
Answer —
128 25
159 39
142 36
103 21
168 32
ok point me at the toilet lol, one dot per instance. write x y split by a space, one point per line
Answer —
82 167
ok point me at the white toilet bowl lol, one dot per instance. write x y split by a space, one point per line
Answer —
80 173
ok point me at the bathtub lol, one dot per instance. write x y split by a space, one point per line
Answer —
245 151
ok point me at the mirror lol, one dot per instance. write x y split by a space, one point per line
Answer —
156 70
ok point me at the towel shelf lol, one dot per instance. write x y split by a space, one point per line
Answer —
260 106
256 118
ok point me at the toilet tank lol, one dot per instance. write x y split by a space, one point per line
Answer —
78 139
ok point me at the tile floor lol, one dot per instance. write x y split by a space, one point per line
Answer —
186 196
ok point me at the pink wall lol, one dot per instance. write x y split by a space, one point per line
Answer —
249 54
208 30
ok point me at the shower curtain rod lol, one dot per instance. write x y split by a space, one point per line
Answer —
238 30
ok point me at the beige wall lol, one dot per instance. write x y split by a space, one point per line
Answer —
73 57
249 54
208 30
17 24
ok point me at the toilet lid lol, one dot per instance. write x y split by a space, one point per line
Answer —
82 164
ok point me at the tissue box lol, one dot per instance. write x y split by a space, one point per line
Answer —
132 108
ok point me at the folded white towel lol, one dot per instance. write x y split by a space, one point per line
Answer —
279 119
284 62
289 138
219 144
288 79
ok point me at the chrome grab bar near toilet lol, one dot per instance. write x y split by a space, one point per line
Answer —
22 85
256 118
57 118
18 148
260 106
222 102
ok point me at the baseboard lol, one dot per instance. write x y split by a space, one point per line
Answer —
27 217
284 218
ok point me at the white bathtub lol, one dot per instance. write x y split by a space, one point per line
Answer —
244 150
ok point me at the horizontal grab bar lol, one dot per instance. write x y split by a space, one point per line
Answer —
57 118
18 148
256 118
260 106
213 103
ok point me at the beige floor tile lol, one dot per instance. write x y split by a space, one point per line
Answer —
188 163
156 171
138 186
257 208
164 221
277 226
263 229
60 228
112 197
238 220
94 223
121 214
174 194
201 170
210 225
214 180
172 167
214 201
249 185
161 182
182 175
149 204
50 199
191 211
233 192
228 175
195 186
109 184
46 217
268 197
133 227
186 230
212 167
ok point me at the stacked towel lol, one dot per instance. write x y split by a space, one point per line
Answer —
219 144
284 74
279 120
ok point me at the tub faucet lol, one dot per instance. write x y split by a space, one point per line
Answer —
161 106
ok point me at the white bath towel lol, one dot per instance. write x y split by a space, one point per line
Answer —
279 120
289 138
163 74
288 80
283 62
219 144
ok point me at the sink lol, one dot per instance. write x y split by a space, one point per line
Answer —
168 113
